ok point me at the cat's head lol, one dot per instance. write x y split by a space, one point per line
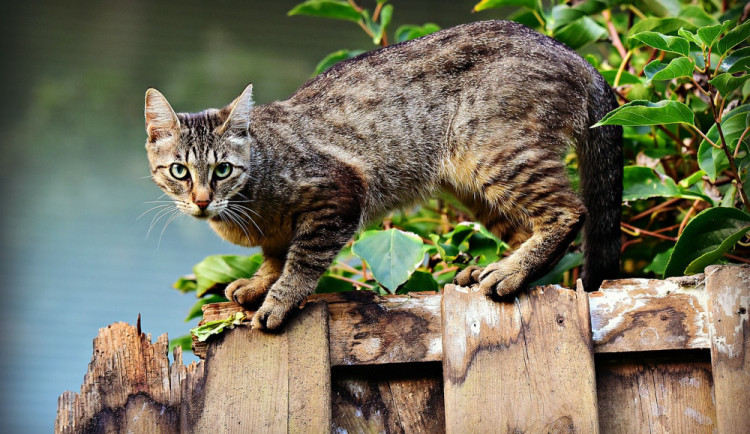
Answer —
199 159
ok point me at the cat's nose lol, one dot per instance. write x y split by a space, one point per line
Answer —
202 204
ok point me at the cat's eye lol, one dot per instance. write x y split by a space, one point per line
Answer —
222 170
179 171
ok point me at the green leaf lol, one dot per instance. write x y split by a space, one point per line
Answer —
408 32
335 9
334 58
697 15
710 34
185 284
726 83
386 15
713 161
490 4
569 261
641 182
706 238
197 309
678 67
660 25
642 112
738 61
212 328
329 284
447 252
580 32
625 77
690 36
392 255
659 264
661 8
733 38
673 44
222 270
418 282
185 342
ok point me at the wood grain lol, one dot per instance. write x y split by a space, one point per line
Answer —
404 398
650 393
729 301
524 365
649 315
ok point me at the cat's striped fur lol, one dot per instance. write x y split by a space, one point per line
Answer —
485 111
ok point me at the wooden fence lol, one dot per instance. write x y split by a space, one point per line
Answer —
637 356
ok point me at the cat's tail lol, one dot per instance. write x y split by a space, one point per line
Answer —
600 169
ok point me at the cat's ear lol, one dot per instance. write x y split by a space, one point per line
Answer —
161 120
238 118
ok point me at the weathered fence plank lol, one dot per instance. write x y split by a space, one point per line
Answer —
649 315
729 301
518 366
643 393
257 379
404 398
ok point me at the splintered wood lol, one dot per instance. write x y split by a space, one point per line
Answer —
524 365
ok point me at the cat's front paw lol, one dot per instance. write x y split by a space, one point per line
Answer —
246 292
468 276
271 314
499 280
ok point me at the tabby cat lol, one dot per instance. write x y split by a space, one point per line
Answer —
485 111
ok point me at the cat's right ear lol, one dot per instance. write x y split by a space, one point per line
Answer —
161 120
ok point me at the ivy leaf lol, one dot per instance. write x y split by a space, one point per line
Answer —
672 44
392 255
679 67
706 238
185 284
641 112
738 61
641 182
490 4
334 58
580 32
568 262
335 9
710 34
726 83
690 36
713 161
418 282
733 38
223 269
197 309
660 25
408 32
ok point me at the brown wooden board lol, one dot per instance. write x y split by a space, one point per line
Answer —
524 365
655 393
729 301
402 398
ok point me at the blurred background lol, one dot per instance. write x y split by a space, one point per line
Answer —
75 256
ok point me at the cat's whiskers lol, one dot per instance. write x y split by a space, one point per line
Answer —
176 214
237 220
154 208
243 210
160 215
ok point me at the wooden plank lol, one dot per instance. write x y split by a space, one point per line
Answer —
256 379
626 315
404 398
368 329
729 301
518 366
126 387
649 315
655 393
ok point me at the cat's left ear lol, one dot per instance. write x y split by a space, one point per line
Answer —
239 112
161 120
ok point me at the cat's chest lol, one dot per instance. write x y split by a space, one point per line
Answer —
236 234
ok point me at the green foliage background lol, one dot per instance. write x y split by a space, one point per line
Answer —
680 71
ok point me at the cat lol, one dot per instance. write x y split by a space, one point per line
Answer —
485 111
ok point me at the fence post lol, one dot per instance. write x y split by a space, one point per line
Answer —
261 382
728 303
518 366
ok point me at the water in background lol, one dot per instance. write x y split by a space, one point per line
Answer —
74 257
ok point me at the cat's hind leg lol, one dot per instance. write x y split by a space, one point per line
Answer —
546 213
